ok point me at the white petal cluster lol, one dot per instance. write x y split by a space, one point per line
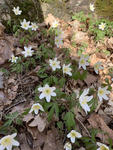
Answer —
8 142
83 62
36 107
34 26
102 26
28 51
55 24
54 64
17 10
97 67
84 99
25 24
59 41
73 135
68 146
102 93
59 37
102 146
91 6
60 33
47 92
13 59
67 69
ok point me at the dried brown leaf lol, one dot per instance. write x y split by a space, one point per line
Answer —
81 37
28 117
40 122
1 30
90 79
51 143
23 142
109 43
96 121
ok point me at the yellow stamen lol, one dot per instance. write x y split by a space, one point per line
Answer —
103 148
84 101
73 134
47 91
6 141
54 64
82 61
101 92
36 107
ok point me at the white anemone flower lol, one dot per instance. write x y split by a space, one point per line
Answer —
17 11
102 146
8 142
54 64
102 92
25 24
58 41
98 66
28 51
84 99
60 33
13 59
83 62
55 24
47 92
67 69
74 134
102 26
34 26
68 146
91 6
36 107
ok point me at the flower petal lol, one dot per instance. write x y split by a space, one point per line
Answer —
53 88
68 135
48 98
89 98
36 111
73 139
9 147
31 110
78 135
2 147
40 89
105 97
53 94
41 96
15 143
14 135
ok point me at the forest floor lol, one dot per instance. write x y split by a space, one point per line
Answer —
18 90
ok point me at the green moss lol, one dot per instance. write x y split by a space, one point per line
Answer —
104 8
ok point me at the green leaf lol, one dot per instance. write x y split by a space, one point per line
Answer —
12 116
55 79
41 73
83 75
56 109
76 75
69 120
50 114
47 106
62 82
22 40
53 109
60 125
